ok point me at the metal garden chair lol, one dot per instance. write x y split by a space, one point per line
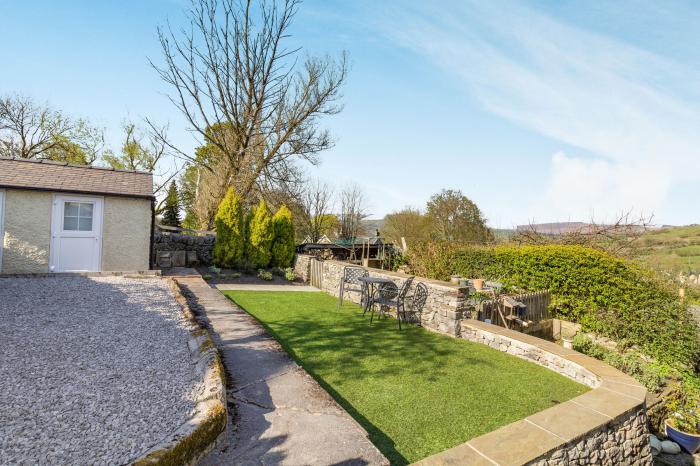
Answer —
350 283
391 296
419 298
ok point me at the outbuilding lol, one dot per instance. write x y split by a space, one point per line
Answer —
56 217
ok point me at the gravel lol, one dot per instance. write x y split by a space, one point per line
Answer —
92 370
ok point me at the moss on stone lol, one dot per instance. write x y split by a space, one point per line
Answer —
190 447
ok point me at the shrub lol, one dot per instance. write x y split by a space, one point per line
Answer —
606 294
229 221
283 244
207 277
289 274
235 275
279 271
260 237
264 275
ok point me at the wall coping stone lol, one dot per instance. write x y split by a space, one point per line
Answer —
403 276
615 396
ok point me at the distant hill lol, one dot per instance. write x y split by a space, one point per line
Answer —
372 225
671 249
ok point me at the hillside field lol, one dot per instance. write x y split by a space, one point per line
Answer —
672 249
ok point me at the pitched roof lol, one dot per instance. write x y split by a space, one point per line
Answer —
45 175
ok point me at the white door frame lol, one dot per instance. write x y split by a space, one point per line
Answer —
2 224
57 226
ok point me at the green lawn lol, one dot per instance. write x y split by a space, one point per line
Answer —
416 392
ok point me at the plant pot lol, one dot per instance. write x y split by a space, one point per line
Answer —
688 442
454 279
567 343
463 282
478 284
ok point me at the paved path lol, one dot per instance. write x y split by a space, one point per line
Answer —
282 416
255 287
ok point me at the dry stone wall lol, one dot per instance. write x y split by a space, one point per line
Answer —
302 264
202 245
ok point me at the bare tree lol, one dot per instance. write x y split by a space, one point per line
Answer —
316 203
245 93
353 209
618 237
32 131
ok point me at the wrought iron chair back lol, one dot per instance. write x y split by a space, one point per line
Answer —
350 282
388 291
420 296
405 287
352 274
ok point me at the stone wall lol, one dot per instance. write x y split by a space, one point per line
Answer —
302 266
443 309
202 245
617 442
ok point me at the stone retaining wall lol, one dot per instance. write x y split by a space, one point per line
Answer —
605 426
202 245
199 434
302 266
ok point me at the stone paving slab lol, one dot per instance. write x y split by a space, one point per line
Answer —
282 415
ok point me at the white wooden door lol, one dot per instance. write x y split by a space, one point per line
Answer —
76 234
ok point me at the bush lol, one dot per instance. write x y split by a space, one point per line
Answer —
289 274
283 244
230 229
260 236
606 294
264 275
235 275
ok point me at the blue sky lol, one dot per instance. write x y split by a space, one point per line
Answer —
538 111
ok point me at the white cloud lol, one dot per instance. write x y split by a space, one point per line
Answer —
634 115
600 189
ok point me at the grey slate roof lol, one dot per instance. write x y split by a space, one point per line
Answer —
61 177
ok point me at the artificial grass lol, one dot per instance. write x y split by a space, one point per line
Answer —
415 392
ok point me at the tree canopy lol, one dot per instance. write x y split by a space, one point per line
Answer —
454 217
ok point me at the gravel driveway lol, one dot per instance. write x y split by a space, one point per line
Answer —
92 370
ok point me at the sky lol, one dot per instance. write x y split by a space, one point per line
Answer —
538 111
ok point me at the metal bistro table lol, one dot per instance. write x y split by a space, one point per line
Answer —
372 283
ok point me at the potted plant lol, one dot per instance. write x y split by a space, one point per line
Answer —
684 429
478 284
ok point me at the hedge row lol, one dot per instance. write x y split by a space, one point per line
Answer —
606 294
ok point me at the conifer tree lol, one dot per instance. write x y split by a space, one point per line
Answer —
283 244
260 237
230 231
171 211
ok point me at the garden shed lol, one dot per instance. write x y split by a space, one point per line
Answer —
56 217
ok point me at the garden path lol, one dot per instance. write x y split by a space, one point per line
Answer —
281 414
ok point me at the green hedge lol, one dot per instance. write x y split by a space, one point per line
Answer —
606 294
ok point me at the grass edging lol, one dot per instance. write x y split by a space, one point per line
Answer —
199 434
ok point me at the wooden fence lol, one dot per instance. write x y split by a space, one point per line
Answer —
316 272
537 308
